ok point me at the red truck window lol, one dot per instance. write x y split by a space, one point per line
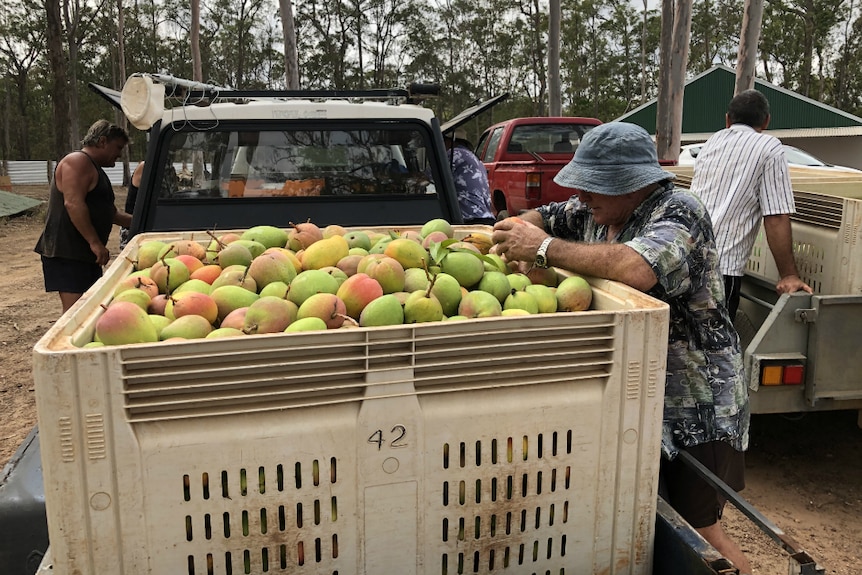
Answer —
493 144
547 138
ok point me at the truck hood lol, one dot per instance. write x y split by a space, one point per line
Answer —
471 112
112 96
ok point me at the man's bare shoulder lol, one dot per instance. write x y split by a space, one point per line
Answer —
75 170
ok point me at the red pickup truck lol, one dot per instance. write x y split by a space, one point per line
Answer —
522 156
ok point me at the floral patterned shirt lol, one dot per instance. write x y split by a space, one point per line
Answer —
471 182
705 394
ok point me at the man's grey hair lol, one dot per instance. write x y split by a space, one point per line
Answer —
103 128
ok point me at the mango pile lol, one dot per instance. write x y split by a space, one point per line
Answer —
270 280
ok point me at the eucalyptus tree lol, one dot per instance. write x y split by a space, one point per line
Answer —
195 41
444 58
270 67
147 46
715 28
619 90
555 104
489 33
530 34
846 85
324 43
749 35
22 45
676 16
59 86
291 58
236 40
468 47
794 38
581 62
385 35
174 22
79 29
649 39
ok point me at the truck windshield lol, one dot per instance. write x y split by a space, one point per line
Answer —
244 163
547 138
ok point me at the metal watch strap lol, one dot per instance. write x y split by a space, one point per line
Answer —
541 253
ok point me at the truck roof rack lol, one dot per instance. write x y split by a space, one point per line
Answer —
200 93
143 96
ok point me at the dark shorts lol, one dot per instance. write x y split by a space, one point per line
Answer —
69 276
691 496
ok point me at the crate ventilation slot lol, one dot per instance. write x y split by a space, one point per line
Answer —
277 519
505 503
328 368
818 210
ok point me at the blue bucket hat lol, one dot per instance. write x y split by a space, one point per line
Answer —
613 159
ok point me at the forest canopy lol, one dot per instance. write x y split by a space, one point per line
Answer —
609 56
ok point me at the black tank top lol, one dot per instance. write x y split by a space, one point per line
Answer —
131 198
60 238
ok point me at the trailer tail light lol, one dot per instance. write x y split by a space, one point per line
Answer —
782 373
534 187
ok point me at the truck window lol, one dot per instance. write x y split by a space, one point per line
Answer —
305 161
547 138
493 144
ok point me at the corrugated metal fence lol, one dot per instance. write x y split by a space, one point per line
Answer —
38 172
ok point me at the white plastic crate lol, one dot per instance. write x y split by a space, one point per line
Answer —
500 445
827 243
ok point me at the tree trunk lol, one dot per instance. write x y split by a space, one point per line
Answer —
195 38
555 107
291 60
24 133
7 145
121 64
672 76
72 23
643 53
749 36
539 72
678 65
843 68
198 76
59 87
662 119
361 71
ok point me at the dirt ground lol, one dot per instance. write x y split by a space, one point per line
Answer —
804 473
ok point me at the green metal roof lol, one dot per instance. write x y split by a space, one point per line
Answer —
11 204
707 95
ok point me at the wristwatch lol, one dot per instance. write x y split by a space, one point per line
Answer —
541 253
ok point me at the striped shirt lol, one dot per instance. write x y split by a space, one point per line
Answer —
741 175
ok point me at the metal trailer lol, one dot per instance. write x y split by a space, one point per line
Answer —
801 349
